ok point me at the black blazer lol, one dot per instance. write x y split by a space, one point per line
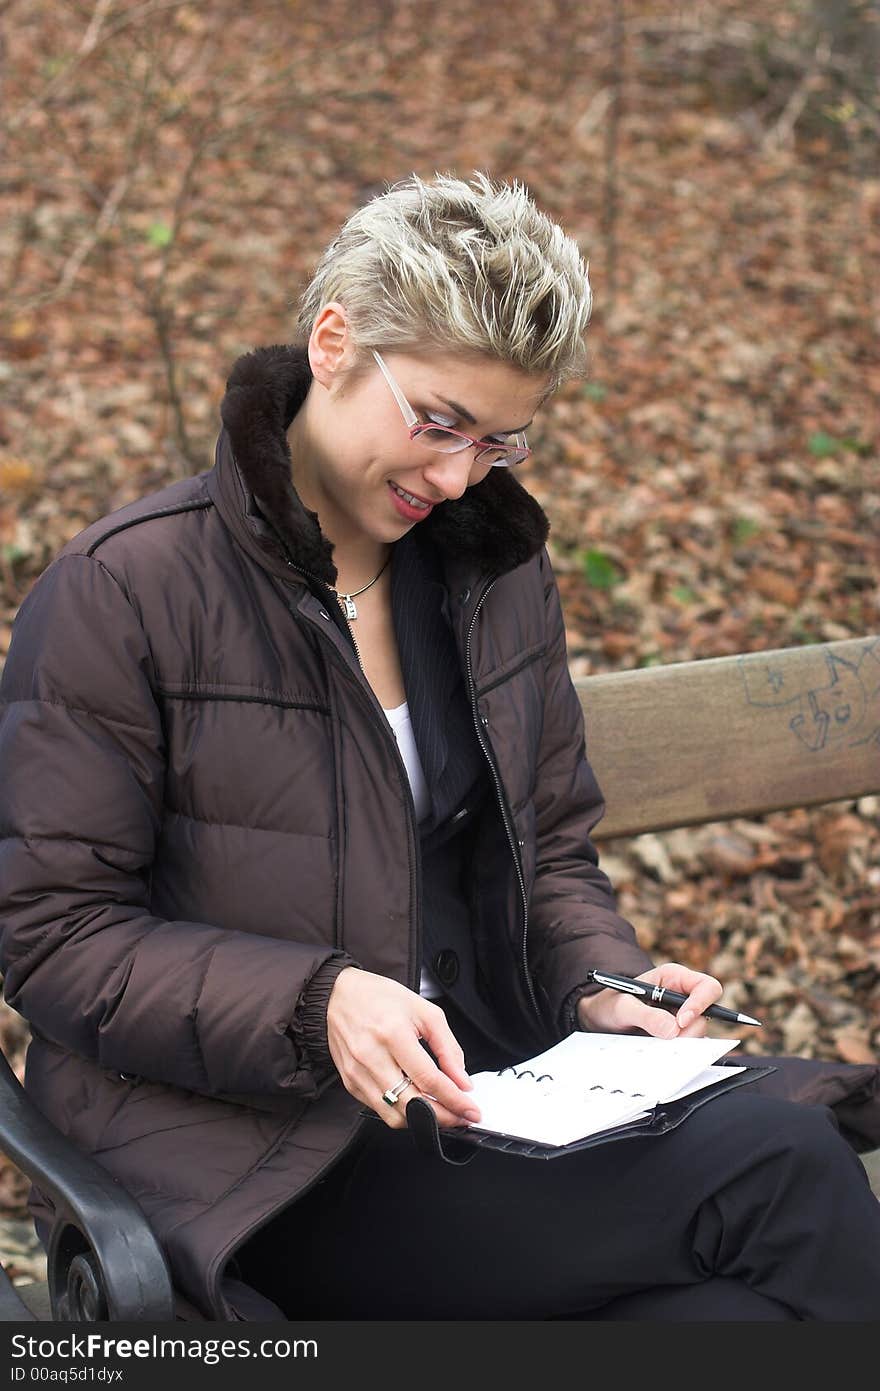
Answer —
456 773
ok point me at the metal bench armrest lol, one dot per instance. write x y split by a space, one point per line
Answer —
104 1263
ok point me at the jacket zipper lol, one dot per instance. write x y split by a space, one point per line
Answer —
415 878
506 814
415 892
321 585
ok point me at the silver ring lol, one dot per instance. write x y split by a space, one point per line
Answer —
392 1095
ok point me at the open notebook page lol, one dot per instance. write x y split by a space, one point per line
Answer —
591 1082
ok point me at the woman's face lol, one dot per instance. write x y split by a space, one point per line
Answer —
352 454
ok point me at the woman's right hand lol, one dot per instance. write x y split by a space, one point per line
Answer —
374 1028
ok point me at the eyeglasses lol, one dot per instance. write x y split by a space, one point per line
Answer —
498 453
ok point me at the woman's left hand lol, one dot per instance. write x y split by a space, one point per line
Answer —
611 1012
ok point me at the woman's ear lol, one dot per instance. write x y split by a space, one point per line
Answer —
331 349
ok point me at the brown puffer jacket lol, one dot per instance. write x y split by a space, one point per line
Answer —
205 817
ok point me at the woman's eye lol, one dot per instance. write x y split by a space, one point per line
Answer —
436 419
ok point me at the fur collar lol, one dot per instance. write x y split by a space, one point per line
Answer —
496 525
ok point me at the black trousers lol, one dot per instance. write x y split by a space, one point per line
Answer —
753 1209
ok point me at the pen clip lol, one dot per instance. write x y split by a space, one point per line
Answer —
615 983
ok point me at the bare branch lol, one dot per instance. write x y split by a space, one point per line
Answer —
163 321
56 83
740 35
90 38
23 234
109 204
783 129
595 112
106 218
612 127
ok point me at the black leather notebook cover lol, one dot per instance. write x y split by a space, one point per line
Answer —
460 1145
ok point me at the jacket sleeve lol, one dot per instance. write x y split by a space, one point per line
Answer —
575 925
82 763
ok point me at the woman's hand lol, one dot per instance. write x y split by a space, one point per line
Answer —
374 1028
609 1011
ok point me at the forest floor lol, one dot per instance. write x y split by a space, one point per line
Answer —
171 173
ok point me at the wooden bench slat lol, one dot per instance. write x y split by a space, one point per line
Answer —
801 726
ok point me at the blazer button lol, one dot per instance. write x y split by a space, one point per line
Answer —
446 967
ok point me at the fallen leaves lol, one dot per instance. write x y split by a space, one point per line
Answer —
795 941
712 488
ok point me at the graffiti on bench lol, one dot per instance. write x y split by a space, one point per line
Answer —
826 698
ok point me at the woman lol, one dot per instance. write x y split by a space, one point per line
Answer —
299 817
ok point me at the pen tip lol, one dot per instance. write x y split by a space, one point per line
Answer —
747 1019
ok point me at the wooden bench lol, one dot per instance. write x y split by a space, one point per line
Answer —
678 745
693 742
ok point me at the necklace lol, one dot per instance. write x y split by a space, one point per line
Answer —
346 601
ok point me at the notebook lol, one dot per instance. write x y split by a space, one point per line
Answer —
593 1082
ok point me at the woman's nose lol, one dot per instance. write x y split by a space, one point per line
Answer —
450 474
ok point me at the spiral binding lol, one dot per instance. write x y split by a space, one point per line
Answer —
527 1072
548 1077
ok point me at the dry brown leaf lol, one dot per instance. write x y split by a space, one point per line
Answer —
14 1187
854 1047
18 477
836 838
770 584
729 854
617 644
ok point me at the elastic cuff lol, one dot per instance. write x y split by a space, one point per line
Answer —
568 1020
310 1024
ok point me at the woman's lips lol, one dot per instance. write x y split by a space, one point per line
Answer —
407 509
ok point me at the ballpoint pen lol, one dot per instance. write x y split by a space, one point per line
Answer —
652 994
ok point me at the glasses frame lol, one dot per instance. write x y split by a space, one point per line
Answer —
417 428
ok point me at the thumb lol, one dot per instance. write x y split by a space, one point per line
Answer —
656 1022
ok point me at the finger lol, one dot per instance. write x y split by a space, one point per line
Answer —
393 1111
397 1120
703 994
395 1116
436 1086
659 1023
381 1066
443 1047
698 1028
676 976
701 989
446 1120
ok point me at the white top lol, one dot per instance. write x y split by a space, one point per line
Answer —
401 724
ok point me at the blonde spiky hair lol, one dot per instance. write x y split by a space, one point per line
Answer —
456 266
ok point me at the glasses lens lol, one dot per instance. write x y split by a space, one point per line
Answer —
503 456
493 454
449 441
438 437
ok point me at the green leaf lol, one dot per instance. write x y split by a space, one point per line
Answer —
860 447
159 234
744 528
683 594
822 445
600 570
594 391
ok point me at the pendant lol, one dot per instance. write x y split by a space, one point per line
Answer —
349 608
